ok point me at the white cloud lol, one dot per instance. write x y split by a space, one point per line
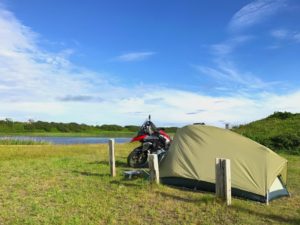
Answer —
29 73
176 107
284 34
228 46
229 76
255 12
134 56
280 33
296 37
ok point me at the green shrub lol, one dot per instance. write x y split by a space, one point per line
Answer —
171 129
281 115
132 128
111 127
286 141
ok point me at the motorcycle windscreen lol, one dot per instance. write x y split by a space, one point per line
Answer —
144 130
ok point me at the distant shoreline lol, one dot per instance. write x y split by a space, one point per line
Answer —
72 134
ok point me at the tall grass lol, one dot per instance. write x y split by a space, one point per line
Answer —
9 141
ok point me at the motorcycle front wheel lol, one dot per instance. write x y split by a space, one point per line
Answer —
137 158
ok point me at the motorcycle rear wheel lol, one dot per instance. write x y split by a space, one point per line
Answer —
137 158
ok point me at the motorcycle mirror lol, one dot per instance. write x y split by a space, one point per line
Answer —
149 118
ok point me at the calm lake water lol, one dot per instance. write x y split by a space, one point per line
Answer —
69 140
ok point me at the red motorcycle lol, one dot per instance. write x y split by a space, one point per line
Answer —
153 140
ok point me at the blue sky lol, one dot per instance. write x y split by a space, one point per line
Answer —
101 62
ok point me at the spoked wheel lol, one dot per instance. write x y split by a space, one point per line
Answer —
137 158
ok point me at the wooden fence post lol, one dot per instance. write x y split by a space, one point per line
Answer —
154 169
227 181
112 164
223 180
219 179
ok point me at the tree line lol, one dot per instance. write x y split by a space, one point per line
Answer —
9 126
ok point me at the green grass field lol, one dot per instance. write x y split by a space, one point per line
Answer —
52 184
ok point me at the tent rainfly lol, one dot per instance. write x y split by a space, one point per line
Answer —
257 173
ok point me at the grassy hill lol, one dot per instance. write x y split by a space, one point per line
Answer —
279 131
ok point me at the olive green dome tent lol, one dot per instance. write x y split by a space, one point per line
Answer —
257 173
